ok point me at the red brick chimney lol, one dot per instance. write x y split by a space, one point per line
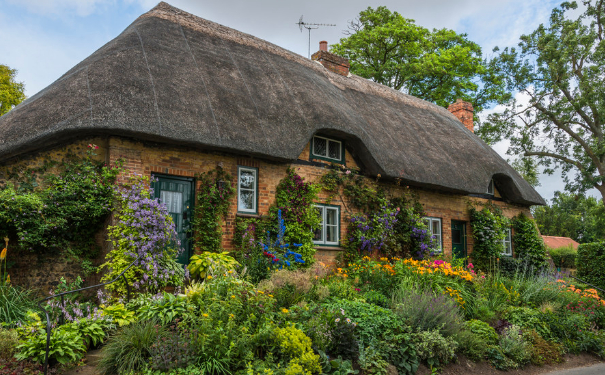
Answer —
330 61
464 111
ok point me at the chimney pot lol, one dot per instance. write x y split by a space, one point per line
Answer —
323 46
464 111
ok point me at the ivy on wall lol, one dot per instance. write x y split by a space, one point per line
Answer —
528 244
212 205
295 198
488 225
58 206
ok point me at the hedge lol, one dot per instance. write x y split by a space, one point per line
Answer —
591 263
563 257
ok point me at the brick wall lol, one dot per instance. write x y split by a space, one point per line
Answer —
147 159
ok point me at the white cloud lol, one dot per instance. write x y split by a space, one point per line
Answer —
58 7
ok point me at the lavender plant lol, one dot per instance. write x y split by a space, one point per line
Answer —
144 229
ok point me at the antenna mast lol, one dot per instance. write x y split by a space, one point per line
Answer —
310 26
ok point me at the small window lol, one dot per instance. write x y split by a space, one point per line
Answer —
328 232
490 187
247 189
508 245
434 224
328 149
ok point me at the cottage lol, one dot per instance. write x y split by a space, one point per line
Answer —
175 95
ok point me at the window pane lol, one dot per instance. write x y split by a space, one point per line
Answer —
438 242
456 236
246 179
319 146
246 200
331 233
173 201
334 150
331 216
319 231
436 227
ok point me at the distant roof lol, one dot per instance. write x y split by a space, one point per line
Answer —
172 77
555 242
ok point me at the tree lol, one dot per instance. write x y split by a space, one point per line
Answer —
439 66
579 217
528 169
558 70
11 92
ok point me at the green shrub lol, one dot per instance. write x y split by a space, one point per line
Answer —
119 314
8 344
482 330
93 332
435 349
590 260
528 244
208 263
166 309
295 349
425 312
472 345
564 257
129 349
528 318
543 352
514 346
371 361
488 226
66 346
14 304
377 298
498 359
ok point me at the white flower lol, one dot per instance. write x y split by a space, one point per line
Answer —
337 320
348 320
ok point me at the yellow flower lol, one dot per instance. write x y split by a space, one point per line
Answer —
232 296
285 311
8 279
209 277
205 315
271 295
231 316
3 254
260 292
230 271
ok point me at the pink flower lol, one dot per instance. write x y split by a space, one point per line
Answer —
470 265
348 172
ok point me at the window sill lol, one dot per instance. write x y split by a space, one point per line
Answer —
242 214
331 248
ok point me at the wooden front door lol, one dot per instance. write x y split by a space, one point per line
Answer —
177 194
458 239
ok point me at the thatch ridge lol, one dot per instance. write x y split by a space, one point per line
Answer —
176 78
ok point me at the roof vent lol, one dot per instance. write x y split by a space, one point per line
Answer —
330 61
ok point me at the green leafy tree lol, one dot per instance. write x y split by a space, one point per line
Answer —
11 92
439 65
558 70
576 216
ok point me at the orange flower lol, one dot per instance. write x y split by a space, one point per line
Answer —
3 254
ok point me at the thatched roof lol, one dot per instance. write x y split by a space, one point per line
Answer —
172 77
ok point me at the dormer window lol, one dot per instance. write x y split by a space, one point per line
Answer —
327 149
490 187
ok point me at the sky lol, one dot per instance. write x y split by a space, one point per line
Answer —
43 39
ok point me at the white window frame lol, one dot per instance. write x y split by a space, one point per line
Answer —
507 243
326 156
323 225
490 187
429 221
254 209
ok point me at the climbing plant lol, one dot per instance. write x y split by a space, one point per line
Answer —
528 244
213 198
488 225
294 197
143 230
365 195
58 206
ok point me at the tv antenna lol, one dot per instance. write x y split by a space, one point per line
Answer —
310 26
